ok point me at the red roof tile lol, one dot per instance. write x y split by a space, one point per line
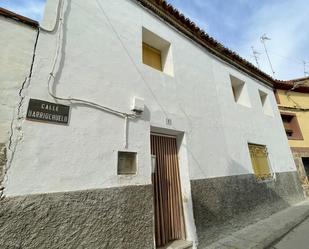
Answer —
19 18
302 84
186 26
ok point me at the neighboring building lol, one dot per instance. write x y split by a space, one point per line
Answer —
17 40
203 154
293 103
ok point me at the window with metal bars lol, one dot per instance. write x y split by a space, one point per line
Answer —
259 160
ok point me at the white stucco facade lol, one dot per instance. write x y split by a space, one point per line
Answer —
98 52
16 50
105 67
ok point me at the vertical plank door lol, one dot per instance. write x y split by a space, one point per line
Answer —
169 221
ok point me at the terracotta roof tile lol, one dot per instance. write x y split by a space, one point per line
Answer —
19 18
303 84
189 28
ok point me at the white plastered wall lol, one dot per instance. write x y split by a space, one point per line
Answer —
105 67
16 49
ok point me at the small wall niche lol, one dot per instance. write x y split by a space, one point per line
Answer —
266 103
240 91
157 52
126 163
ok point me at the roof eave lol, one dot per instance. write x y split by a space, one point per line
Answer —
12 15
171 15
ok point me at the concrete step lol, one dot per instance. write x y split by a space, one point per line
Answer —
178 244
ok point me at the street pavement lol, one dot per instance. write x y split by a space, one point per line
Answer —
267 233
297 238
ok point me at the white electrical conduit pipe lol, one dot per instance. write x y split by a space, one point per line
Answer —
50 81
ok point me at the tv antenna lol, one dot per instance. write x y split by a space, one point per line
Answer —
264 38
305 69
255 55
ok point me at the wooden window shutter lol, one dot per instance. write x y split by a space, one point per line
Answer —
152 57
259 159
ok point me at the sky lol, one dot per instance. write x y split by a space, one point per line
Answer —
238 25
30 8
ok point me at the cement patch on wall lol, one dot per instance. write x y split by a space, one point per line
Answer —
2 160
107 218
225 204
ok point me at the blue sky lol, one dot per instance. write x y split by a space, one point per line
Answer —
237 24
30 8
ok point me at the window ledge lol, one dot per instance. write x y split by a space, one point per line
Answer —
243 105
295 138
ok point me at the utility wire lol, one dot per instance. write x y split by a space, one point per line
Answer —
51 75
145 82
130 57
59 24
263 39
254 54
295 60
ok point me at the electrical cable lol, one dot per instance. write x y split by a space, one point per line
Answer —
51 74
50 81
144 80
59 5
287 93
130 57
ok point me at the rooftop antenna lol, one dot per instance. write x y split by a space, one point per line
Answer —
263 39
255 55
305 72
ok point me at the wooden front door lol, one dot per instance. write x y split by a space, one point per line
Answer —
169 221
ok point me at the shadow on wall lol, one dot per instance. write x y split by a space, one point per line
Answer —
226 204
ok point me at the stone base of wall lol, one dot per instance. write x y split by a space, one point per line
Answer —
123 217
226 204
298 153
108 218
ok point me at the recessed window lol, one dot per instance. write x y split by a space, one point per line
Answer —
291 126
265 103
259 160
240 92
156 52
126 163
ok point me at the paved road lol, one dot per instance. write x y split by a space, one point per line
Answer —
298 238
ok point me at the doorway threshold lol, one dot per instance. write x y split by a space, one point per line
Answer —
178 244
